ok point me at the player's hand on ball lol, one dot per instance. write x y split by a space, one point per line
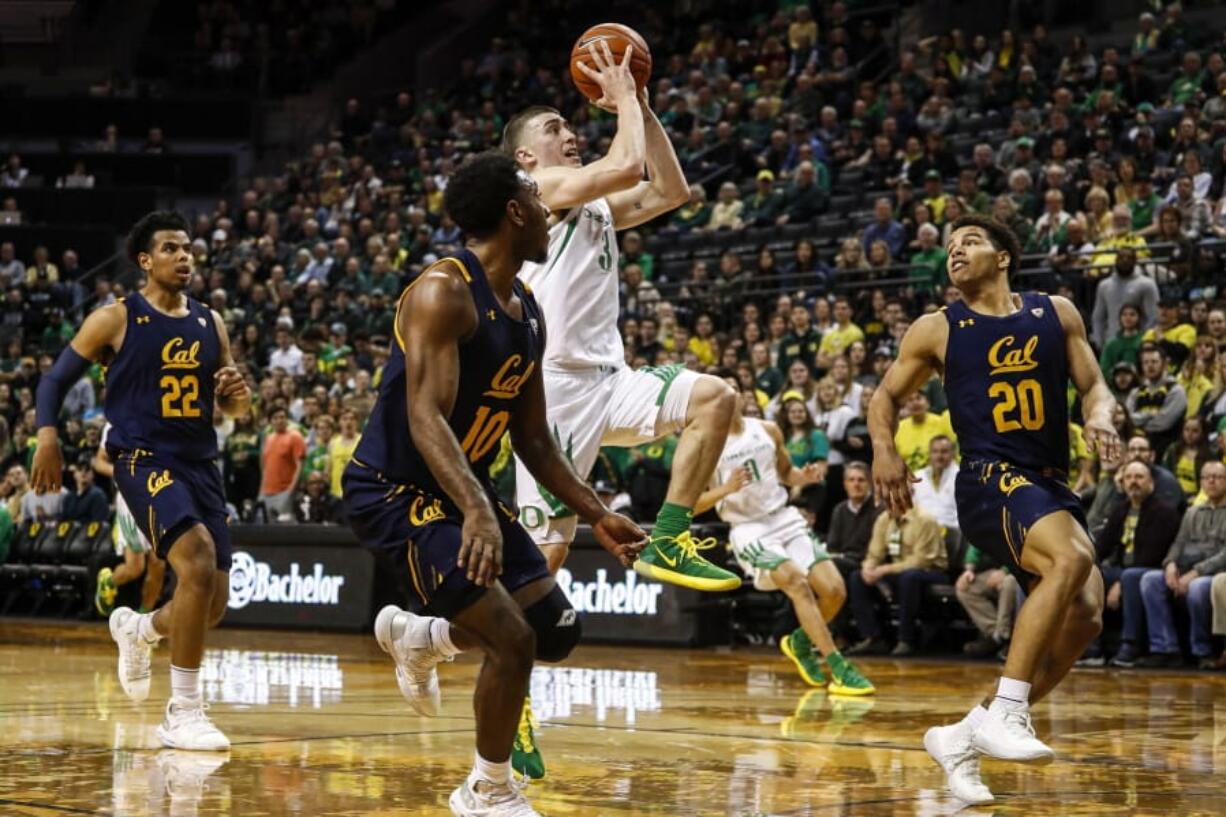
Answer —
892 482
229 384
481 548
614 79
1104 440
47 471
620 536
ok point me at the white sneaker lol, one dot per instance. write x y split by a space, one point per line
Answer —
1006 733
481 798
950 747
185 774
187 727
135 662
415 657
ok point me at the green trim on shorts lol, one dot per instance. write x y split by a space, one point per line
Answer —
755 553
820 554
667 374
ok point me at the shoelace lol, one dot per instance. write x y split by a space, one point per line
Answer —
502 794
193 714
689 546
1021 718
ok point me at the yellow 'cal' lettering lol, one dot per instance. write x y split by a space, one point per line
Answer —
1013 360
158 481
1009 484
505 385
176 357
421 514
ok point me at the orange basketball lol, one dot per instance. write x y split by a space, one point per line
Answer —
618 37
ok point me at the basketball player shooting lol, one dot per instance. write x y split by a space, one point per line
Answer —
1006 358
593 399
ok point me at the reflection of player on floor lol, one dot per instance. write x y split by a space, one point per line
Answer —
465 368
131 544
169 361
593 398
1007 359
776 548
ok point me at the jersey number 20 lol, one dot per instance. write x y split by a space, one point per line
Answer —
1026 398
180 396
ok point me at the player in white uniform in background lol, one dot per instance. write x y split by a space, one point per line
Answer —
593 398
131 544
776 548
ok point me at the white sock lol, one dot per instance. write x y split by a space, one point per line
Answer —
185 683
145 630
440 637
1013 693
974 717
496 773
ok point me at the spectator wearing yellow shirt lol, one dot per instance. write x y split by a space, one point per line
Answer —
840 337
1121 237
915 432
1185 457
341 448
1168 332
703 343
1196 374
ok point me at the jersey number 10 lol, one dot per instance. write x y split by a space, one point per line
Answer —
484 433
180 396
1026 398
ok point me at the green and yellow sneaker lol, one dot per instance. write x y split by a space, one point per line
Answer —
105 592
797 646
525 756
847 680
675 560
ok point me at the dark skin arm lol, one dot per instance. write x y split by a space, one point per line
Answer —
231 391
535 445
435 316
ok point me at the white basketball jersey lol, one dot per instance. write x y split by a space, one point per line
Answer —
753 448
577 288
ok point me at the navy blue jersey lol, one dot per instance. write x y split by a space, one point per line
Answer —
495 363
159 387
1007 380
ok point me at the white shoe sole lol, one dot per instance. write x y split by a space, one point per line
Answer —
1035 758
170 743
932 746
383 627
138 690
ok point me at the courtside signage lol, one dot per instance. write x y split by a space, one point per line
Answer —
300 585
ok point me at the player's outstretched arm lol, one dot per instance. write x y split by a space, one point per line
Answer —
918 357
102 330
564 187
231 391
535 445
666 188
435 315
1097 402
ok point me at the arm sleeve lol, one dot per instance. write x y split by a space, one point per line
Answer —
54 386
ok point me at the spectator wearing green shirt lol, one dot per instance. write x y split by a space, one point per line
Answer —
807 197
766 378
647 475
1185 87
1144 208
801 343
763 206
806 444
927 263
317 449
694 214
633 253
1125 347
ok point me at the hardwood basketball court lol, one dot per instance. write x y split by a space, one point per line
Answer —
319 728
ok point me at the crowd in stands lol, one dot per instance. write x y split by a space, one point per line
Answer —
826 169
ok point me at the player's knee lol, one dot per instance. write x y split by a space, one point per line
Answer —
556 626
1074 565
195 559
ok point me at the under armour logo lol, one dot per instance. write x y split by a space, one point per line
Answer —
965 322
143 319
492 314
568 619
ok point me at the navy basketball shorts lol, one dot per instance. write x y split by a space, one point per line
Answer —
167 496
421 533
999 503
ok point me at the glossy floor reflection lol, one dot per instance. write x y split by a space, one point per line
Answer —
319 729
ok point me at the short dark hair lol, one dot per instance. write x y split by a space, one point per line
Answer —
1001 237
479 190
514 130
140 237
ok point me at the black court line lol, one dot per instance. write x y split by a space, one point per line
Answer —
49 807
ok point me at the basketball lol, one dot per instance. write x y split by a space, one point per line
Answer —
618 37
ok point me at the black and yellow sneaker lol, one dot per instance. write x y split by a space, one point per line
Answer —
525 755
675 559
797 646
105 592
